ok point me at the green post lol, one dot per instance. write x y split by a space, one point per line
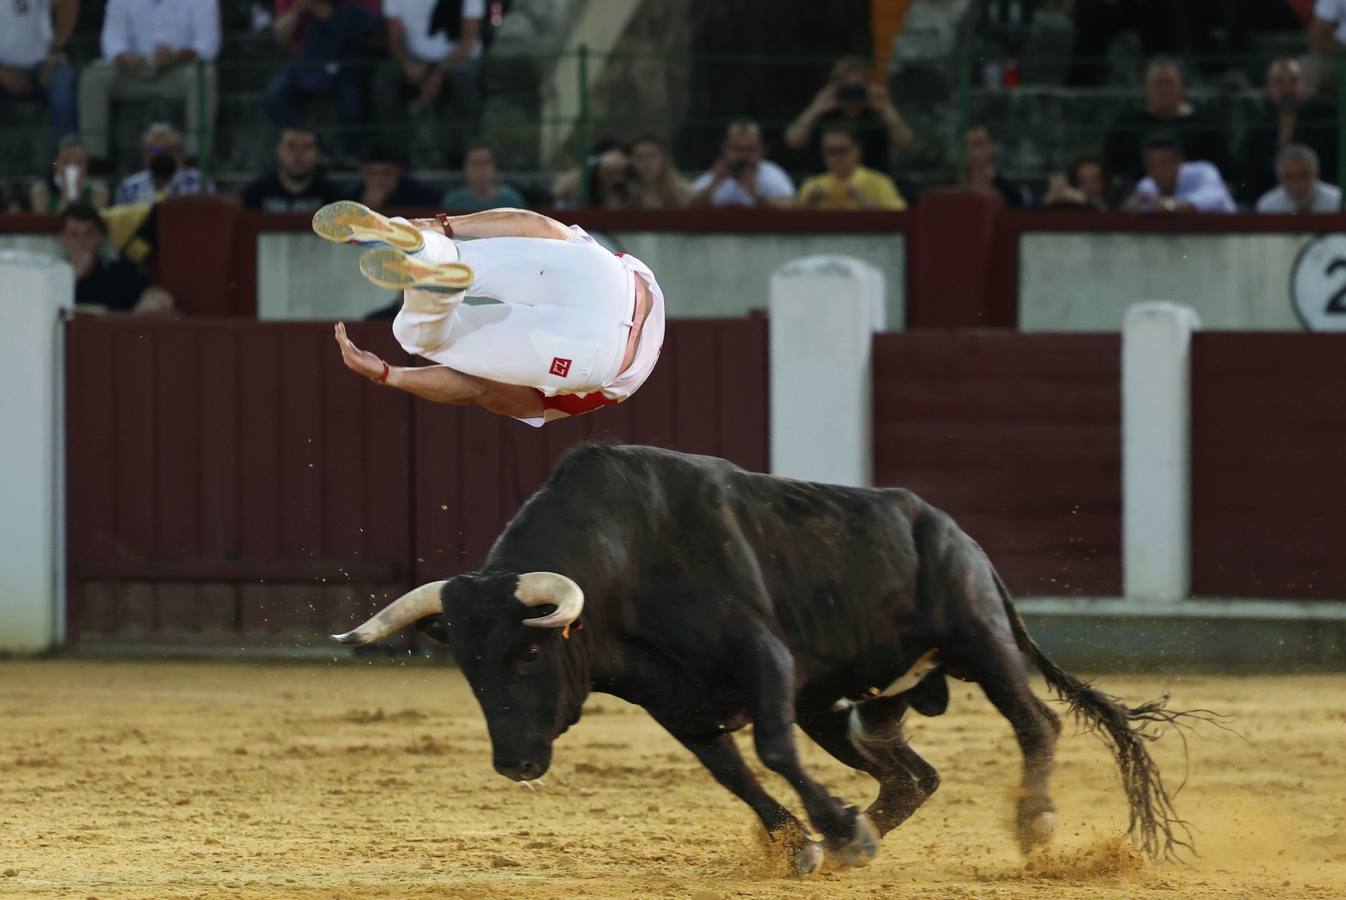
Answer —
964 74
1341 118
583 130
206 126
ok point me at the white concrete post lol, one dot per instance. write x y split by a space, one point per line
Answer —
824 312
33 291
1156 452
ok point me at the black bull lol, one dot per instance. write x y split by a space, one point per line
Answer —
714 597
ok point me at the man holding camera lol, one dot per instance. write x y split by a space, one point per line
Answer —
741 176
853 99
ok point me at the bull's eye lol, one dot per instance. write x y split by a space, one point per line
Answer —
529 657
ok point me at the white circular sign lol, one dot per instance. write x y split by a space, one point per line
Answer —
1318 283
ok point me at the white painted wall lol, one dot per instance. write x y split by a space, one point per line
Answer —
1086 282
702 275
823 315
34 289
1156 452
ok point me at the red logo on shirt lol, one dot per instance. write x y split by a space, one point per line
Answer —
560 366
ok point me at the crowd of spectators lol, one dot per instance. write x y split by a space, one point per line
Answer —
396 61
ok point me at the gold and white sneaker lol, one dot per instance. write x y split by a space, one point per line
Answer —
396 271
348 222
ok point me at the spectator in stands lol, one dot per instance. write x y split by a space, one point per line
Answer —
14 198
482 188
153 49
742 176
1165 108
979 168
325 39
69 181
1299 190
1171 184
658 184
33 59
852 97
165 172
105 282
612 180
846 184
296 184
1289 116
1086 184
436 47
384 183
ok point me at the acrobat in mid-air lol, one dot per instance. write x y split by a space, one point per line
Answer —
576 327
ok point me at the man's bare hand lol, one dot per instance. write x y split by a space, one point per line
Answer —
361 362
15 81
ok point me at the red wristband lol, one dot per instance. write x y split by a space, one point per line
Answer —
383 379
444 224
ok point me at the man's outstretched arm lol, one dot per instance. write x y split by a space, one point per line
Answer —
501 223
440 384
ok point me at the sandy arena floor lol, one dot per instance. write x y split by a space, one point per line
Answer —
158 780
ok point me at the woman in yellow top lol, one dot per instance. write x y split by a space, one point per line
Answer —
846 184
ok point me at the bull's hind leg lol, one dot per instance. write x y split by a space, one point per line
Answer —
718 754
869 737
994 662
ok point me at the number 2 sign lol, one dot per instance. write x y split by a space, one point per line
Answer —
1318 283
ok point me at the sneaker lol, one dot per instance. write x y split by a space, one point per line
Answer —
348 222
398 272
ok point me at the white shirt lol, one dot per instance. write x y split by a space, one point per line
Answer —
25 33
772 182
1324 199
138 26
1332 11
415 18
1199 183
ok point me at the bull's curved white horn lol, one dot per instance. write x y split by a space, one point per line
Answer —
423 601
539 588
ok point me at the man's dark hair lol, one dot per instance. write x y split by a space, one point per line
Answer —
79 211
649 137
1087 158
383 153
479 144
1162 140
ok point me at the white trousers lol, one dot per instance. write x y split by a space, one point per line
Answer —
561 323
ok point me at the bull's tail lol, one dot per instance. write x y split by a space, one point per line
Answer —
1155 826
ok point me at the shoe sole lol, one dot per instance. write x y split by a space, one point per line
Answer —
393 270
348 222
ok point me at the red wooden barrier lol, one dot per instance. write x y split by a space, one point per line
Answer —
1268 441
1017 437
231 479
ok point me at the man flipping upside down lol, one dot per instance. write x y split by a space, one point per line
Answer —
576 328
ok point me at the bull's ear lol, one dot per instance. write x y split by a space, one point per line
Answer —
434 628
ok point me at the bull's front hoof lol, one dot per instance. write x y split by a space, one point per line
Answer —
1036 830
862 846
806 858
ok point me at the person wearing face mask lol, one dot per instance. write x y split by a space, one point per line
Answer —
852 99
69 181
165 173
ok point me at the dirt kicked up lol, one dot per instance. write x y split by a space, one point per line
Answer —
159 780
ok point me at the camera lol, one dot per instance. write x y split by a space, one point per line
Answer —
738 167
852 93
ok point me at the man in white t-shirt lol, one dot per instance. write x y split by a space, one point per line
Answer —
1298 189
32 56
153 48
436 48
741 176
575 328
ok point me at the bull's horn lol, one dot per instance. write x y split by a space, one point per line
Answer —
538 588
423 601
